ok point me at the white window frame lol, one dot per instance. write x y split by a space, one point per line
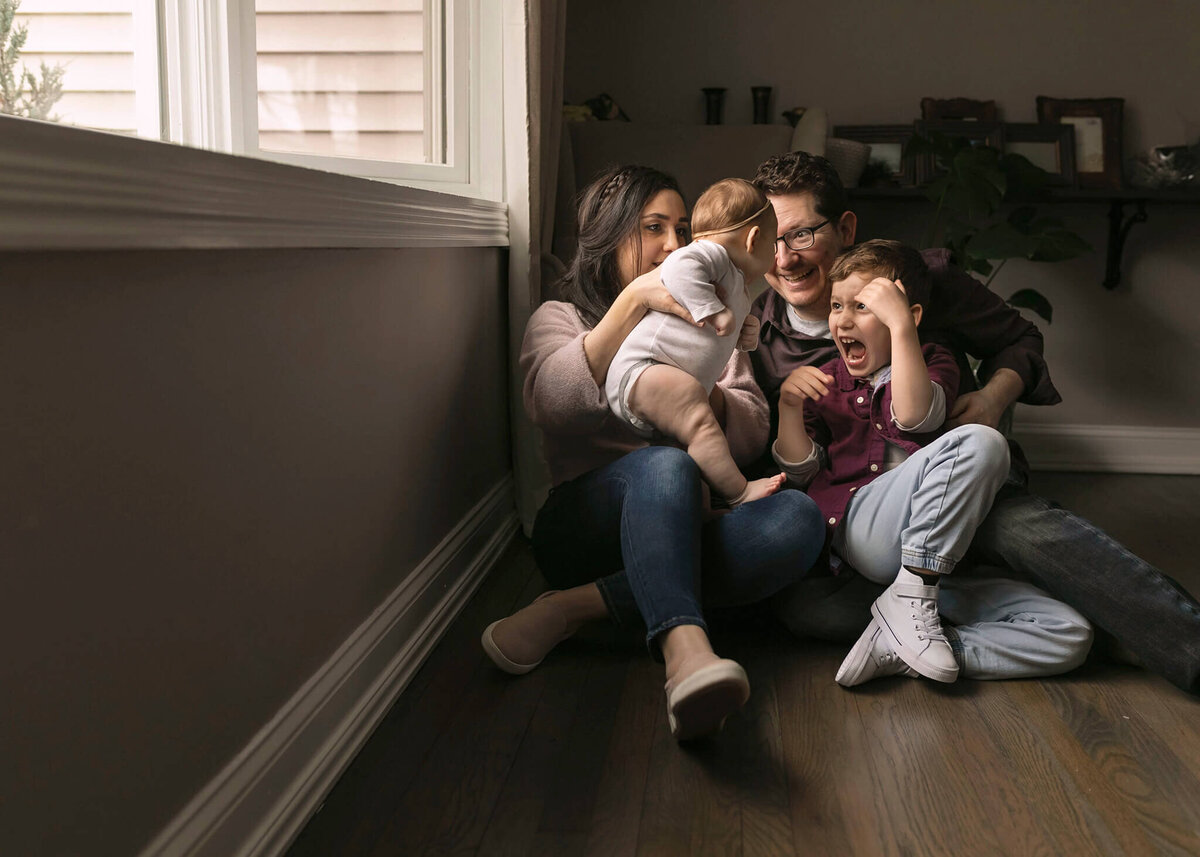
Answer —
74 188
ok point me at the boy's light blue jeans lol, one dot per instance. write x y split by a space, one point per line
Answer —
923 514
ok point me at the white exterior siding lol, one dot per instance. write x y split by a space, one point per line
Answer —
335 77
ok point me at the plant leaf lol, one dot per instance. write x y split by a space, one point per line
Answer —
1001 241
1058 245
1033 300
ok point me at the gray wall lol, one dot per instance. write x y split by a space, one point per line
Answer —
1123 358
215 465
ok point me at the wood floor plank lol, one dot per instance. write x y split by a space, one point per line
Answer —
621 790
753 744
832 781
1061 729
362 804
1153 781
1069 824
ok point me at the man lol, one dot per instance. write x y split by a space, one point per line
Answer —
1150 616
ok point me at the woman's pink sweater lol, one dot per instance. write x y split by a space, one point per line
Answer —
579 431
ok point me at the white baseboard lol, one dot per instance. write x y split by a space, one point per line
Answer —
261 800
1110 449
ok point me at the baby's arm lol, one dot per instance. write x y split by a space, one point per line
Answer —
912 393
721 322
690 276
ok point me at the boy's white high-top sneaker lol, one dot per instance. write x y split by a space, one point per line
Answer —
907 615
871 657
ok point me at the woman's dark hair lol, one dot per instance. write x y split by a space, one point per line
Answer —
610 211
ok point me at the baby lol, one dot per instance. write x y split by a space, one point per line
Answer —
665 369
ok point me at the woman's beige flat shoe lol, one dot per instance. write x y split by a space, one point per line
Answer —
699 704
498 657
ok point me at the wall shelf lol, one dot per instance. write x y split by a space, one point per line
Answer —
1118 223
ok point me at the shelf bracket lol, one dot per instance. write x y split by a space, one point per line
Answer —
1118 231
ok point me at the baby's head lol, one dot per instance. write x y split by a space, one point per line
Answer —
864 341
736 215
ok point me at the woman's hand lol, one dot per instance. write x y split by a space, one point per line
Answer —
652 294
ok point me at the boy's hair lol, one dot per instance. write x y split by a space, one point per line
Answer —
800 172
728 204
890 259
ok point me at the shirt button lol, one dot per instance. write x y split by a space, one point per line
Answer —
859 400
878 426
874 467
853 488
832 521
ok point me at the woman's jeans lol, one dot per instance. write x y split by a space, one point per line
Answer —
635 528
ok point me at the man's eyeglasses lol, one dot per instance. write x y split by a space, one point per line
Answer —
803 238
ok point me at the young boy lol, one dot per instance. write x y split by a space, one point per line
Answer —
864 434
665 369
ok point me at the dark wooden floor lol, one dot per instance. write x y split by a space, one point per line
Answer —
576 759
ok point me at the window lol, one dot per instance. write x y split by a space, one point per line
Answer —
195 79
391 89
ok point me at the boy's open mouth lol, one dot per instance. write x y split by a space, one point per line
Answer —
853 351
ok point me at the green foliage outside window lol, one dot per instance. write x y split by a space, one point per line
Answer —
23 93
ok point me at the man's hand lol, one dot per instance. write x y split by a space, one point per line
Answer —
807 382
748 338
986 406
888 301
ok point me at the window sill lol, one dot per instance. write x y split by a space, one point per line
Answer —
73 189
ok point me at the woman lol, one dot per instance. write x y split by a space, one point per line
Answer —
623 533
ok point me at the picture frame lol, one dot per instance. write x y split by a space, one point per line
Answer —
978 133
887 145
1051 147
1098 135
958 109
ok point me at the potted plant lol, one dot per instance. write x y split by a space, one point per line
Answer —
984 212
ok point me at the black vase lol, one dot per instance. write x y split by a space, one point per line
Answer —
762 104
714 103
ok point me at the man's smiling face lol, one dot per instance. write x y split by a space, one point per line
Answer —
801 276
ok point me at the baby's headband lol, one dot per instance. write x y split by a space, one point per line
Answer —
753 217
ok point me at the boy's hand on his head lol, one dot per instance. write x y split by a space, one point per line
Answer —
721 322
748 338
888 301
807 382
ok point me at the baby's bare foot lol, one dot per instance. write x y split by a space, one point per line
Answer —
756 489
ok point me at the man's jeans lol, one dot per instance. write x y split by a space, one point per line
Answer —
1150 614
635 528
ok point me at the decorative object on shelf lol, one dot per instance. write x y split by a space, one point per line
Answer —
761 96
849 158
1097 124
986 134
714 104
810 132
604 107
886 165
1051 147
1166 167
958 110
793 116
972 181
